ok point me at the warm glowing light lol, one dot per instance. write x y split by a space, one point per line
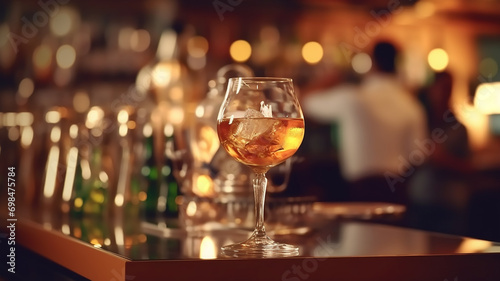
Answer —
122 116
191 209
9 119
119 237
438 59
55 134
207 143
142 196
73 131
65 229
69 179
123 130
24 119
240 50
103 176
65 56
197 46
200 111
61 22
176 93
13 133
124 36
94 117
51 172
95 242
52 117
97 196
143 80
140 40
142 238
81 101
42 57
165 72
26 88
470 245
86 172
175 115
361 63
78 202
425 9
26 136
204 186
487 98
147 131
119 200
77 232
312 52
208 249
488 67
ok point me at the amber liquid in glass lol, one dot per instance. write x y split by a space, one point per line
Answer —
261 142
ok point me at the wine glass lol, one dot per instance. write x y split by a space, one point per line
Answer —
260 124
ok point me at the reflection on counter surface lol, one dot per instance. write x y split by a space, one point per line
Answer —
165 239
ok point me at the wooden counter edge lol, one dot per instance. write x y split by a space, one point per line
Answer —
80 257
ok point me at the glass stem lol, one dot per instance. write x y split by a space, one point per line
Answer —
259 192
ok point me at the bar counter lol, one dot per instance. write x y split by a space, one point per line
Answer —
331 248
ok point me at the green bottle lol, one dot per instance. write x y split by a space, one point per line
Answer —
96 187
149 171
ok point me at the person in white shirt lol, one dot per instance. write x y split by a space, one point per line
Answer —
381 125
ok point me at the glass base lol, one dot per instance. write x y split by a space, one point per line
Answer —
259 245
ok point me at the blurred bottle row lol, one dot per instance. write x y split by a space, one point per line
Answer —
133 153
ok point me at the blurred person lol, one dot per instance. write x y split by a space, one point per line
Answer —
438 192
380 124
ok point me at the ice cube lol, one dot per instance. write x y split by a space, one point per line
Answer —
251 128
252 113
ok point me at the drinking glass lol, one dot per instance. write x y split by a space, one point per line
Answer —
260 124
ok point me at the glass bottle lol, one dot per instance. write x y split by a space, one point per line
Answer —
149 171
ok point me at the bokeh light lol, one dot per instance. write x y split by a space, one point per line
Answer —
438 59
65 56
361 63
24 119
197 46
52 117
26 88
62 22
208 248
240 50
487 98
312 52
140 40
94 117
42 57
124 37
81 101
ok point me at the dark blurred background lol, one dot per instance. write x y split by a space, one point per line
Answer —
68 56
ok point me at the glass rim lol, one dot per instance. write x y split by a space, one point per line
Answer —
263 79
